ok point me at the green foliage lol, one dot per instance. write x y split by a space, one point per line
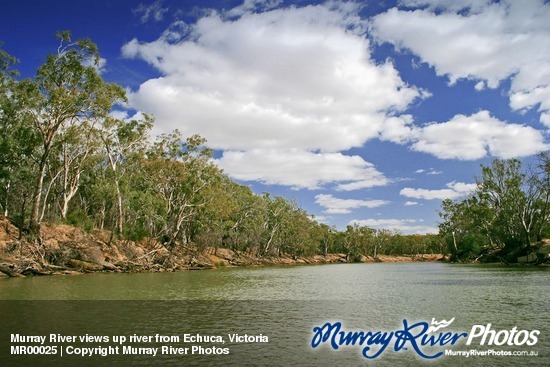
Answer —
504 215
82 220
468 247
219 264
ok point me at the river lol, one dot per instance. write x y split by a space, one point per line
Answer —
284 304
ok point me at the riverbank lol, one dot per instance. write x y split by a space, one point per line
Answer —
64 249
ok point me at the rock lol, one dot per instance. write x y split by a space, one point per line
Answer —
225 253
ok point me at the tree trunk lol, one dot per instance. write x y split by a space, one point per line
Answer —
34 225
102 216
454 243
67 197
6 199
46 195
119 207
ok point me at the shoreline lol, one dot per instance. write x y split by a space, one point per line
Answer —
64 250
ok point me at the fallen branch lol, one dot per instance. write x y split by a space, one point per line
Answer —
9 270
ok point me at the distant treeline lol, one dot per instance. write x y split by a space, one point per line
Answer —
66 158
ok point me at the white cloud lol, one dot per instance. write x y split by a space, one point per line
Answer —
154 12
321 219
301 169
407 226
119 114
454 190
474 137
485 41
399 129
335 205
466 137
410 203
480 86
431 171
100 66
252 6
286 78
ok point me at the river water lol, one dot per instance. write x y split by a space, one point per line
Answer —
285 304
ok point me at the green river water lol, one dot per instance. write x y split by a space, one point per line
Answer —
284 304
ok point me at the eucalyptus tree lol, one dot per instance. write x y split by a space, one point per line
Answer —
66 91
124 143
8 124
181 173
248 222
506 212
77 149
381 238
214 222
539 182
502 187
324 237
357 241
274 223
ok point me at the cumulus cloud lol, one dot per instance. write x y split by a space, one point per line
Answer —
399 129
288 79
454 190
278 87
485 41
466 137
154 12
407 226
476 136
301 169
335 205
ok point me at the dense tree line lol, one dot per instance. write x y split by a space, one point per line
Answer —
66 158
504 216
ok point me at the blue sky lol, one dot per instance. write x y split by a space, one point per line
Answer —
368 112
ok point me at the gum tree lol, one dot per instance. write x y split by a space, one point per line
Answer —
66 91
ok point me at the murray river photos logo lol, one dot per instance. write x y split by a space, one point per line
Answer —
428 340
